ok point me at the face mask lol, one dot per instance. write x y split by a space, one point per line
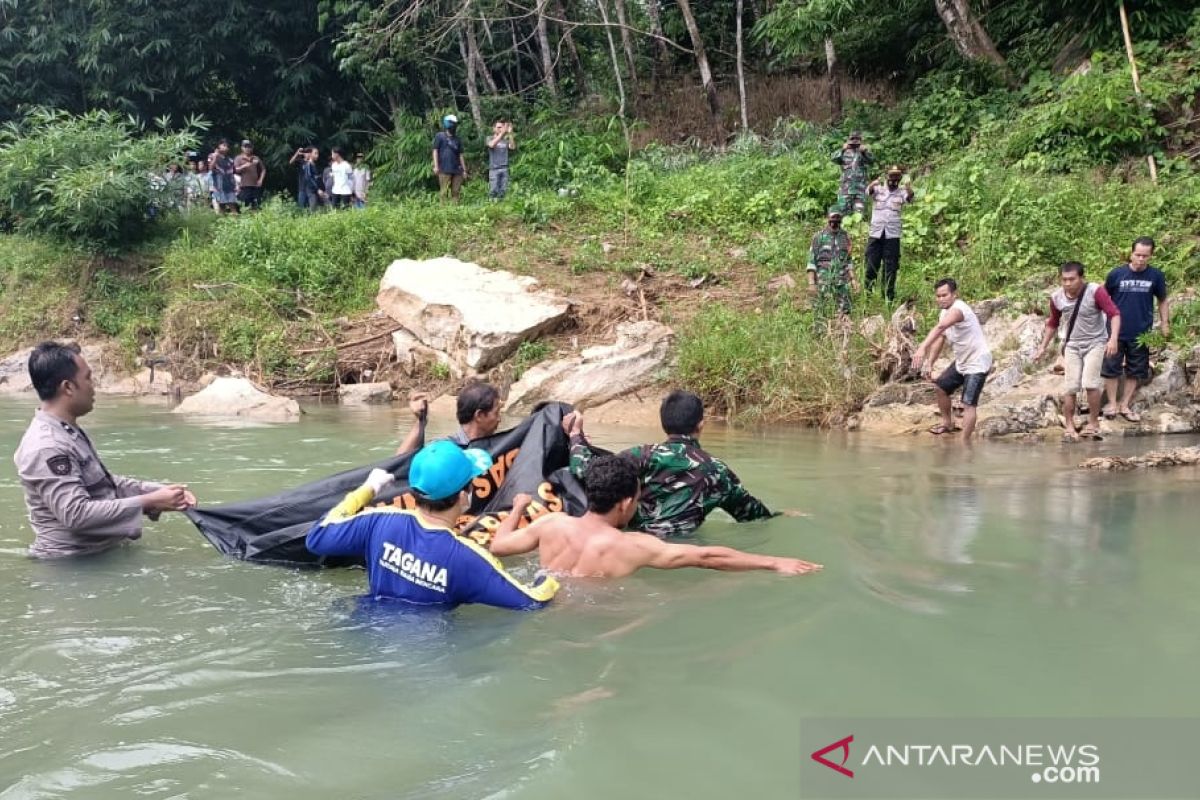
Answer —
893 184
835 223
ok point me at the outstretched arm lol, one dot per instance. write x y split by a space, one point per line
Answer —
935 335
509 540
658 554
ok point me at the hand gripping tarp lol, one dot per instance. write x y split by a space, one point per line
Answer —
531 458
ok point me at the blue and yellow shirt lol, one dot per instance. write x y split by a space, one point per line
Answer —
406 560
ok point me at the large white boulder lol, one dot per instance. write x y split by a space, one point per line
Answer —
238 397
478 316
598 374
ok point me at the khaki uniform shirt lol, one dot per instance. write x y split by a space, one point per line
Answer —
76 506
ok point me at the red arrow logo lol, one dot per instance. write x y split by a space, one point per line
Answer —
844 746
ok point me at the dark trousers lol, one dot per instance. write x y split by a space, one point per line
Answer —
887 250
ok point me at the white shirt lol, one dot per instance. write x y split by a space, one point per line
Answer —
971 351
343 177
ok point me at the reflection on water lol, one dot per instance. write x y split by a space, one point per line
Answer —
994 581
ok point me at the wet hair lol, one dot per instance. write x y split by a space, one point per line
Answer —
477 396
608 480
1071 266
681 413
948 282
50 364
1146 240
436 505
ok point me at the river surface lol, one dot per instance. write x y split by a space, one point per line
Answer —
992 582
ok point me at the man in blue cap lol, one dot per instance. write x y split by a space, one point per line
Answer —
414 555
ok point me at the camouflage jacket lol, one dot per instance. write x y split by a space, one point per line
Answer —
681 484
854 164
829 256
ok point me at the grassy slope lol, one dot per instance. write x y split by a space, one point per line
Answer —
701 236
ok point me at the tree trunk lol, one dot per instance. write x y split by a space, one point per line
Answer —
576 62
544 44
472 89
662 55
602 5
835 81
706 79
517 50
477 57
969 36
627 43
741 71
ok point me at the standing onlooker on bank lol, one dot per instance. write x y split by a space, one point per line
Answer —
362 180
958 325
224 179
883 238
1087 343
830 268
854 158
308 190
252 172
448 163
499 146
341 174
1134 287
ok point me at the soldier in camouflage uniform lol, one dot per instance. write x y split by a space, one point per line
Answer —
830 268
681 483
855 159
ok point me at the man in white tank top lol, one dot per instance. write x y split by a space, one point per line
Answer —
958 325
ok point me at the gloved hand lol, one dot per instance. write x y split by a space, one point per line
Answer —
378 479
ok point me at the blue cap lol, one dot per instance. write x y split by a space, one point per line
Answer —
443 469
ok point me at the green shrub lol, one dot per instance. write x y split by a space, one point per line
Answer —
88 178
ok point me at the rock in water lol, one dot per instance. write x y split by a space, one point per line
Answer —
478 316
598 374
1180 456
365 393
238 397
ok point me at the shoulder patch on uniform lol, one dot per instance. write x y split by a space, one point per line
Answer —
59 465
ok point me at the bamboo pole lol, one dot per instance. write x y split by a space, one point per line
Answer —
1137 86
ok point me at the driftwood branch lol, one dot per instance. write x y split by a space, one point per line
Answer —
344 345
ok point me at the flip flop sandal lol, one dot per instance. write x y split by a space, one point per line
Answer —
1091 433
1109 413
1132 416
938 430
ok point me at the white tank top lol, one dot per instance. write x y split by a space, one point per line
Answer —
971 351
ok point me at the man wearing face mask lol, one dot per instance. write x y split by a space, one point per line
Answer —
855 159
883 238
448 163
830 268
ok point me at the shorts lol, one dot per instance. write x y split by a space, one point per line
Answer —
971 383
1132 360
1082 369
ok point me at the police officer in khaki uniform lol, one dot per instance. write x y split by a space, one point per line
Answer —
76 506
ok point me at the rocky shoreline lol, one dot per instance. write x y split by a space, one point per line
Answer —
466 321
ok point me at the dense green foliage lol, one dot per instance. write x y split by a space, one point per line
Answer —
85 179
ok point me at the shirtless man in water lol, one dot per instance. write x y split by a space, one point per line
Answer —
594 546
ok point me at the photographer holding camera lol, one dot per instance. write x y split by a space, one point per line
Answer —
498 148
